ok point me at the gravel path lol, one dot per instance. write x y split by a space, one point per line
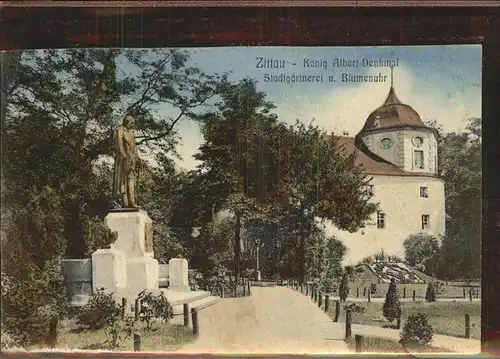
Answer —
270 321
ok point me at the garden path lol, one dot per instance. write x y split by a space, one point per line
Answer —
272 320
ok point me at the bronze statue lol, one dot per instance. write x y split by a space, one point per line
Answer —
127 163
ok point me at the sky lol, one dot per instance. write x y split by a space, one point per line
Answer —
440 82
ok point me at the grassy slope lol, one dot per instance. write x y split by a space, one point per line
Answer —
447 318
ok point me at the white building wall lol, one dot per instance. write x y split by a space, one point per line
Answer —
399 198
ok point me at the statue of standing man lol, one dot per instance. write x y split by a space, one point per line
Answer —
127 163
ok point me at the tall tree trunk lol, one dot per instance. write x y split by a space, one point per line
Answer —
237 248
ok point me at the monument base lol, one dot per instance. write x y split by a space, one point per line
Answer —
142 273
109 270
178 275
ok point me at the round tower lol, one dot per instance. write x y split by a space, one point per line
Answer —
395 132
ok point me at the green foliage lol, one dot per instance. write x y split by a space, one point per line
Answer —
354 308
392 305
460 166
343 288
420 250
154 307
119 330
430 294
100 311
417 332
33 295
63 106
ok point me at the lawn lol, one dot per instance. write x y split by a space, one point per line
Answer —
379 345
447 318
162 337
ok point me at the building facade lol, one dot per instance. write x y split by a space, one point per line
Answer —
399 153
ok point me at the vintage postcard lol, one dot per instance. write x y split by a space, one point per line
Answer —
242 200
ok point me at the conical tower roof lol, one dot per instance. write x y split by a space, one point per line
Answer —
392 114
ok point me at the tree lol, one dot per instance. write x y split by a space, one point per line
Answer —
430 293
238 155
323 182
392 305
32 292
459 158
62 108
420 249
343 288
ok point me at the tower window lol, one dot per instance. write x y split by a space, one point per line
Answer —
424 192
418 159
380 220
425 221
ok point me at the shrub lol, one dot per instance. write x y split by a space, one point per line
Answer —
119 330
30 305
154 307
32 296
100 311
430 294
354 308
343 288
417 332
392 305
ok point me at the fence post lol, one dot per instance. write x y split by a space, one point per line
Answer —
186 314
327 302
124 307
301 287
364 292
369 296
470 295
464 292
398 323
137 307
222 291
337 311
248 289
244 288
194 319
312 291
359 343
477 293
137 342
348 323
307 289
467 326
404 292
357 292
413 294
320 300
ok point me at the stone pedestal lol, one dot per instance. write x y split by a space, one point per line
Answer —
109 270
135 232
178 275
78 280
142 273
